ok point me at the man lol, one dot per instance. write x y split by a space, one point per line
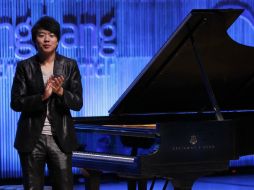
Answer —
45 88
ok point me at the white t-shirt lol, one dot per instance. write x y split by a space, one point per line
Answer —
47 126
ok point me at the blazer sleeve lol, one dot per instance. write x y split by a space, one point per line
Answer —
73 96
21 101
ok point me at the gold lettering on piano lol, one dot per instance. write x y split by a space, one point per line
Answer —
199 147
193 140
193 145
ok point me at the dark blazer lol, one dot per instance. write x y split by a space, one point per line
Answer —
26 97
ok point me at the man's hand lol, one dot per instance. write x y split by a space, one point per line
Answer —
47 91
57 83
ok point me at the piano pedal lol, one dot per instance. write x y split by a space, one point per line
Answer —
153 183
134 181
165 184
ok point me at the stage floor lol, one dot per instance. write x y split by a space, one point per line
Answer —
235 182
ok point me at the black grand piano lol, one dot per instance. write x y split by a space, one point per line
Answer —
195 99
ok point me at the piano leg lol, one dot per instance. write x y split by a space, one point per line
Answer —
142 184
134 181
182 184
153 183
165 184
92 181
131 183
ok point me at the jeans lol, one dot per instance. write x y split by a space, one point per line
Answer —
46 151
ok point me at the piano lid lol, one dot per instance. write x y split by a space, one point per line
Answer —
172 81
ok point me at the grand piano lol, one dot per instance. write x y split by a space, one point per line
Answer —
194 99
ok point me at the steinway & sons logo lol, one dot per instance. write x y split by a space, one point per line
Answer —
193 145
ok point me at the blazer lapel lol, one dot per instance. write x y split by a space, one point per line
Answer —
38 73
58 67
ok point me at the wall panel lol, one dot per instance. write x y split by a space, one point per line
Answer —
112 40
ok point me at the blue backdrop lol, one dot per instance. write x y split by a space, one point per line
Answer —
112 40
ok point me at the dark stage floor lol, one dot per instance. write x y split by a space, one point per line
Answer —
234 182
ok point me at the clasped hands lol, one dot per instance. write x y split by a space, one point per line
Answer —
54 85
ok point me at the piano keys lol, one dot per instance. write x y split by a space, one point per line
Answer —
122 163
145 134
193 100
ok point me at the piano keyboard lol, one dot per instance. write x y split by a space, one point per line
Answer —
103 156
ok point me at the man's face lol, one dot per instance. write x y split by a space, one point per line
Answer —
46 41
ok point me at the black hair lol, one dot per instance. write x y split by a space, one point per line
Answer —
46 23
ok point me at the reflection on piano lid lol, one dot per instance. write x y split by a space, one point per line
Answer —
198 92
137 130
